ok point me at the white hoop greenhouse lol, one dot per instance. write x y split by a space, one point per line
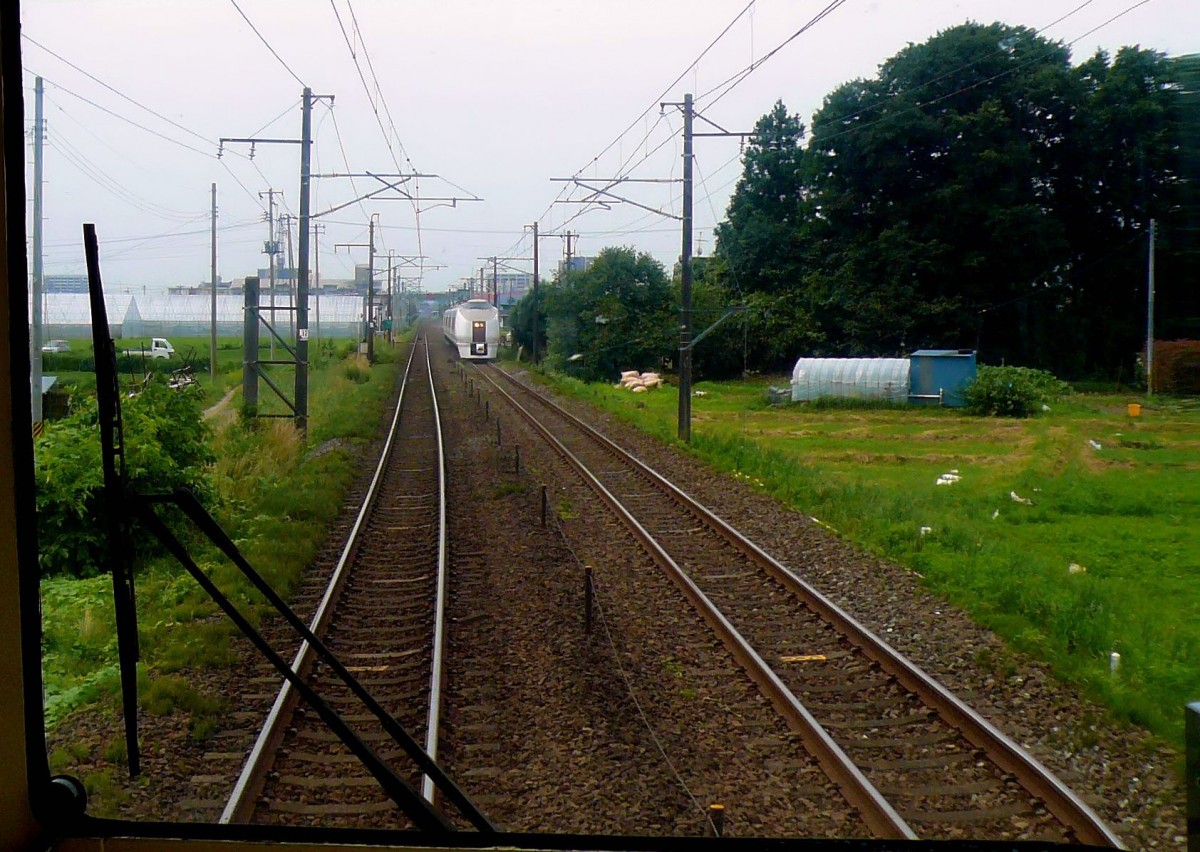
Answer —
851 378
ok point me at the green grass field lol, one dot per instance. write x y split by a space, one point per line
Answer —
229 360
1124 515
278 493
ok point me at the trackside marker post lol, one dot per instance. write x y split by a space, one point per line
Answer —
587 600
716 818
1192 774
543 505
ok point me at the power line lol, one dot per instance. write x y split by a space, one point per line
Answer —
970 64
97 175
375 108
116 91
119 116
749 69
245 189
267 44
672 84
1016 67
647 110
82 126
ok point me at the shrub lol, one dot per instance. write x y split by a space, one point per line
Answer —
1011 391
167 446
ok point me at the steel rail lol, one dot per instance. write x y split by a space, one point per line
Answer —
1079 818
437 676
877 813
249 784
256 767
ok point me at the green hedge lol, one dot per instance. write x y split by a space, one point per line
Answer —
1012 391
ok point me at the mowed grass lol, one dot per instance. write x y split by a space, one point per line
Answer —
1124 515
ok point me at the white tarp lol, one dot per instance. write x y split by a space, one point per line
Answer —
851 378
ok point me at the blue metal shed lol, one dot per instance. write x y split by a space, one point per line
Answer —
938 376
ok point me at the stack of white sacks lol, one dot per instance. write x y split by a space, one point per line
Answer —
639 382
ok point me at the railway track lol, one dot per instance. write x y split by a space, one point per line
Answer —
913 759
381 616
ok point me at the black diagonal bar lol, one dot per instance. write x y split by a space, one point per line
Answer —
192 507
421 812
116 508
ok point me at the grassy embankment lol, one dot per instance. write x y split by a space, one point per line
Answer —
1124 513
277 495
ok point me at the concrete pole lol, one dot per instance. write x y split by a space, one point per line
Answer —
302 280
35 339
212 341
1150 316
317 279
535 293
371 291
685 310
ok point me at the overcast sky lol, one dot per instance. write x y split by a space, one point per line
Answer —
496 98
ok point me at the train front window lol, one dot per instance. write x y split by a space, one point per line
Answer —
752 184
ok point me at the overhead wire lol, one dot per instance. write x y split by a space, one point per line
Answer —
695 62
82 126
267 44
375 108
963 90
1075 10
94 173
967 65
116 91
118 116
736 79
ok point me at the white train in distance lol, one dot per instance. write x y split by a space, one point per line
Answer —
473 328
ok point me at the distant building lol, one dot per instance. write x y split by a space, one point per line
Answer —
64 284
575 264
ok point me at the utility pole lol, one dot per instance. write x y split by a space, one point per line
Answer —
300 405
302 282
390 318
685 308
569 236
35 342
481 290
317 228
495 282
371 290
212 341
535 293
270 249
1150 316
686 342
370 246
286 221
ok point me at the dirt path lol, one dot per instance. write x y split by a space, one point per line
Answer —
221 408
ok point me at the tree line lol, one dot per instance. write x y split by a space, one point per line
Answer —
979 192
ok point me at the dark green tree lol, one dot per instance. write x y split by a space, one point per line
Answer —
980 191
520 321
757 242
615 315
